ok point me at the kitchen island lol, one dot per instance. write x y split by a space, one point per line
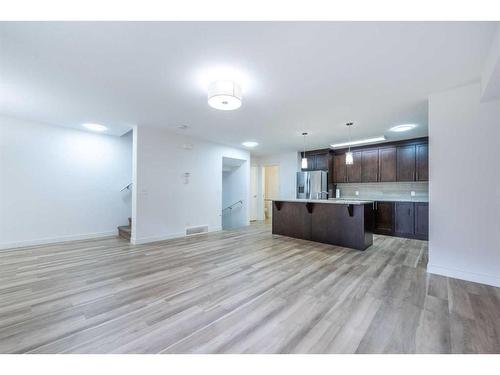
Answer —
333 221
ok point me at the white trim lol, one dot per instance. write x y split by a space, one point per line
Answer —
464 275
170 236
44 241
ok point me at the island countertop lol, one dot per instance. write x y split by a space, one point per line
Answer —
334 221
327 201
388 199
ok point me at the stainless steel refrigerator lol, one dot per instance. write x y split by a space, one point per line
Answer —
312 185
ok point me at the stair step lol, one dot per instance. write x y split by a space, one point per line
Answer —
125 231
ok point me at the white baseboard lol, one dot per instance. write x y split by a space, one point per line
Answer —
45 241
464 275
169 236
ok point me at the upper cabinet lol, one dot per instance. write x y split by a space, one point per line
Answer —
406 163
317 160
387 164
422 166
311 162
369 165
339 169
322 161
354 169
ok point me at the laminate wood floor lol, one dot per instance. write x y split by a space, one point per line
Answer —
239 291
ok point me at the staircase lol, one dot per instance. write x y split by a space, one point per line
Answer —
126 230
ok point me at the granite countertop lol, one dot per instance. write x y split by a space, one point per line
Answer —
404 199
328 201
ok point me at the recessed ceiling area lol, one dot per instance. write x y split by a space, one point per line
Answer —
294 76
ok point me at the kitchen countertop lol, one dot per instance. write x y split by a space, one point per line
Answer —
410 199
328 201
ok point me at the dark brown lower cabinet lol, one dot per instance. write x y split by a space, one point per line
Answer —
405 219
402 219
347 225
422 220
384 218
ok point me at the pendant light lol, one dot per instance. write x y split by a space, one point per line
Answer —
304 159
349 159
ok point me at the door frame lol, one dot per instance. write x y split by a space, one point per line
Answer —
263 184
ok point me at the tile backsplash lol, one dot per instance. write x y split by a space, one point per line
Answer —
385 190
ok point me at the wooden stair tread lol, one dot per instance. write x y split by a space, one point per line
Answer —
125 231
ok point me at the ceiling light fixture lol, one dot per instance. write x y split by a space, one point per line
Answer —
360 142
403 128
303 163
224 95
250 144
95 127
349 159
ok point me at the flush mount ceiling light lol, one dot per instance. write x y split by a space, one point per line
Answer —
359 142
250 144
224 95
403 128
95 127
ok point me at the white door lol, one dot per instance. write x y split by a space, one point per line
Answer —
254 172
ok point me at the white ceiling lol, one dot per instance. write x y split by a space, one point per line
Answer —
296 76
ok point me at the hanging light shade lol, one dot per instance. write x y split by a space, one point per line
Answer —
349 160
224 95
303 163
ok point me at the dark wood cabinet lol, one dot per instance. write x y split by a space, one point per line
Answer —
316 160
339 169
311 162
337 224
321 162
404 219
422 162
294 220
387 164
422 220
384 218
406 163
354 170
369 165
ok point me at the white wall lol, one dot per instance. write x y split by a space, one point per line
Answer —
233 190
164 205
289 165
464 187
60 184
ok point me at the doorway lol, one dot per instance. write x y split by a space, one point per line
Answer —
254 193
270 188
234 193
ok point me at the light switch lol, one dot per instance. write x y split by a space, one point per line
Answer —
412 193
356 192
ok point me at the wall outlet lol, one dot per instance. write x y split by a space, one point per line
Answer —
412 193
356 192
